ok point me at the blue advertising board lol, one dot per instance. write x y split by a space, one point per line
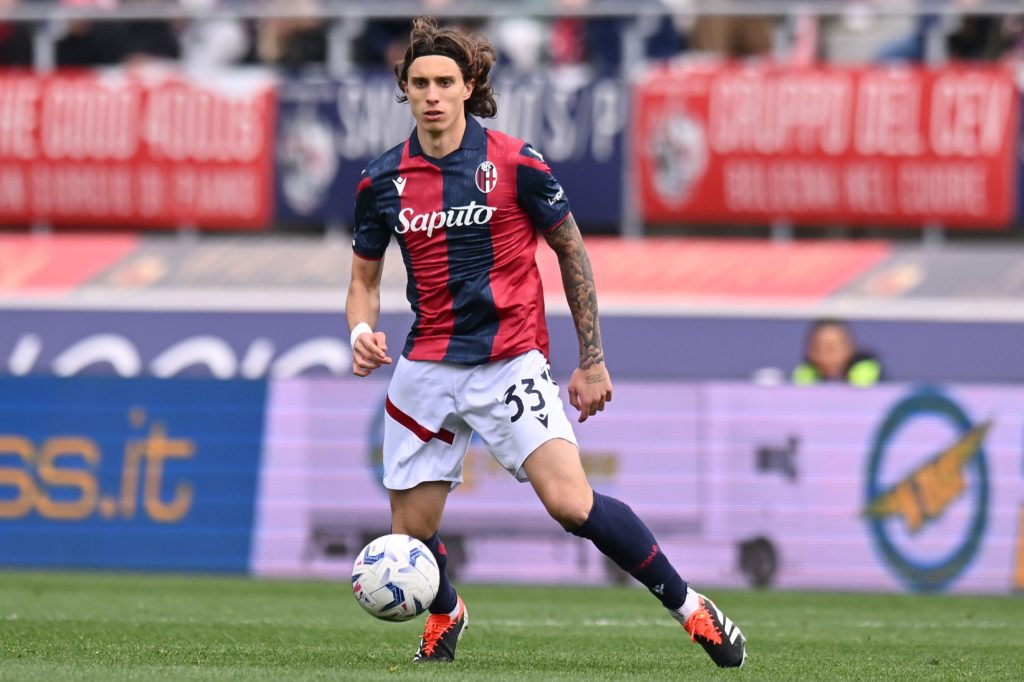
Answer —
253 345
328 129
138 474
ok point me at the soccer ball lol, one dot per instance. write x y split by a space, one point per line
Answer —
395 577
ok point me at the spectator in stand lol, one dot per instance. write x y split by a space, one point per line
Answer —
984 37
598 42
732 36
966 37
208 42
15 39
296 40
87 43
831 355
383 41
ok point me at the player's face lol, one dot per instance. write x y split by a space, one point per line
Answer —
436 92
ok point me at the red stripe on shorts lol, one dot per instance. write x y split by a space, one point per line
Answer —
422 432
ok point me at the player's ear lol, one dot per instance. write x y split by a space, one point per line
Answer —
470 84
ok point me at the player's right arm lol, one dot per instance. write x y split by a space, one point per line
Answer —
370 237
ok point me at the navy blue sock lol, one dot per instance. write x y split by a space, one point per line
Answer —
446 598
618 532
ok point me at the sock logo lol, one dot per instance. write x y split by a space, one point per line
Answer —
647 562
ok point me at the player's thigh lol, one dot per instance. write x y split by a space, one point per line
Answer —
557 476
515 408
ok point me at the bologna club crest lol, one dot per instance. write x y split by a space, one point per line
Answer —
486 177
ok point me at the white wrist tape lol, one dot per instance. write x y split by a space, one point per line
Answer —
359 330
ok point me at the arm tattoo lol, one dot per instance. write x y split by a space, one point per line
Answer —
578 281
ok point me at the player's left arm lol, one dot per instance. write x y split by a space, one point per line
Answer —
590 386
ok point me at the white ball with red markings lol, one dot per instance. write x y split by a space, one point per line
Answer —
395 577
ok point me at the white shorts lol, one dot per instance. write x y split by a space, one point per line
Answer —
433 408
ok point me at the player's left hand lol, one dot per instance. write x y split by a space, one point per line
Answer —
590 389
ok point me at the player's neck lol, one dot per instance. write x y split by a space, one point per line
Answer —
442 143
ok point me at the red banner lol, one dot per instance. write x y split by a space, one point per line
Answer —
736 143
136 149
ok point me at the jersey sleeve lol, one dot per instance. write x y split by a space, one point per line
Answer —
538 192
370 235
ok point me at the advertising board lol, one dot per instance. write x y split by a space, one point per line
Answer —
886 146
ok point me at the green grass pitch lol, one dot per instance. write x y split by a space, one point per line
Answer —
82 626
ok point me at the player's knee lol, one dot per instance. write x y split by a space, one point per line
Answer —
418 529
570 514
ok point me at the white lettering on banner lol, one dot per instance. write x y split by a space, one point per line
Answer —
888 116
212 352
781 187
370 122
82 190
803 113
969 114
83 120
200 351
24 354
213 192
936 189
321 351
146 191
184 123
563 116
869 188
520 113
609 118
456 216
151 195
111 349
18 98
13 198
566 131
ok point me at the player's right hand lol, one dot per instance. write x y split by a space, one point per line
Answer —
369 352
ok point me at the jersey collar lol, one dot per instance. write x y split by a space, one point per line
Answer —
474 137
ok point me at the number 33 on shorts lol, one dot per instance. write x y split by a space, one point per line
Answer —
527 396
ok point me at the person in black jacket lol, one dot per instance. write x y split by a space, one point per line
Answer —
831 354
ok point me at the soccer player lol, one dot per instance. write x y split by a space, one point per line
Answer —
466 205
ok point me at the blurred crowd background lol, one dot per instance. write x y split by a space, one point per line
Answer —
529 34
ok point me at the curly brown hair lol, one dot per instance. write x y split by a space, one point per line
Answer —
474 55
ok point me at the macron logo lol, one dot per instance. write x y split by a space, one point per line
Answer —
399 184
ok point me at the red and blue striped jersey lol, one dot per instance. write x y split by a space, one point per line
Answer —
467 226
